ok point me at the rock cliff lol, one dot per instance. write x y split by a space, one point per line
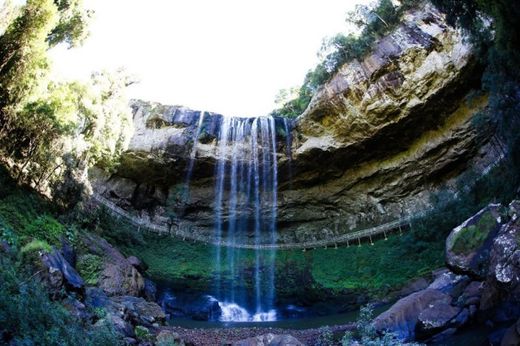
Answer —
373 144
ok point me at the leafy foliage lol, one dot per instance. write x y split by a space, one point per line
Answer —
89 267
53 132
29 317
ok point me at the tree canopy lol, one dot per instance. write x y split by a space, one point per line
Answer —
49 130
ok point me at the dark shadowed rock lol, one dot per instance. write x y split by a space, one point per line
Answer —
95 297
60 272
445 334
205 308
150 290
512 335
501 289
472 293
67 250
270 340
169 337
141 311
469 245
403 316
414 286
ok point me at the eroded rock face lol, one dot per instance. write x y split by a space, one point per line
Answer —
372 145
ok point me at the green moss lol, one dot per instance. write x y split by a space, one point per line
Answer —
36 245
45 227
142 333
89 267
473 236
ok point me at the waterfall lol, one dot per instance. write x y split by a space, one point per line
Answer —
246 183
193 154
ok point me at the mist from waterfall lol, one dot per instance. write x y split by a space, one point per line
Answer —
246 183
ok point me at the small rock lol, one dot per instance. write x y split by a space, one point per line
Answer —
269 340
168 337
141 311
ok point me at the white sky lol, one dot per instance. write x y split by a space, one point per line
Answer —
227 56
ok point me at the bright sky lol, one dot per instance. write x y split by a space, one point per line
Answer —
227 56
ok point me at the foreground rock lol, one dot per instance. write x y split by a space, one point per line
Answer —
468 246
119 276
501 288
403 316
486 247
269 340
58 273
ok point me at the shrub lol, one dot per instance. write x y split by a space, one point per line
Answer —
36 245
29 317
46 227
89 267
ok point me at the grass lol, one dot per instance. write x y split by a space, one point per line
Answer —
473 236
367 267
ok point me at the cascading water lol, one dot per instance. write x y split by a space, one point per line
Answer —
246 205
193 154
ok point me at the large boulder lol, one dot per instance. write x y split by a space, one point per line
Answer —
469 245
119 276
141 311
205 308
58 272
270 340
501 289
375 139
403 316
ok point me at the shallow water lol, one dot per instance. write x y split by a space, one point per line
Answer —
297 323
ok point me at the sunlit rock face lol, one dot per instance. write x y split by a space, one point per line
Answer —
372 145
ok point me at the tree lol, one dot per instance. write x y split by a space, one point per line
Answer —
72 26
